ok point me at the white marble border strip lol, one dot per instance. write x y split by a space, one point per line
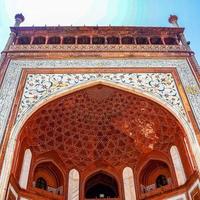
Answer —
12 76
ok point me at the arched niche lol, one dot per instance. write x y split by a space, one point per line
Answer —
98 40
39 40
48 177
70 92
156 40
155 174
149 171
129 185
83 40
142 40
69 40
54 40
113 40
170 41
128 40
101 185
73 185
24 40
178 166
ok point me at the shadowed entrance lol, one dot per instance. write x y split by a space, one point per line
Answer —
101 186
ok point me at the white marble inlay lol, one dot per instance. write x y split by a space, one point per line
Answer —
23 180
129 185
73 185
40 86
178 166
12 76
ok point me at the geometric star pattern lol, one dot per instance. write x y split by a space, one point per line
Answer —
101 123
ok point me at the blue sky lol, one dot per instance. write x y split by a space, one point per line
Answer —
103 12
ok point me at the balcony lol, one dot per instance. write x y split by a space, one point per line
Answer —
150 190
57 191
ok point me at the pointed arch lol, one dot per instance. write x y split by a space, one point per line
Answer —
101 183
17 127
130 89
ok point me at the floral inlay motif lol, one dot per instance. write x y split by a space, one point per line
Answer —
40 86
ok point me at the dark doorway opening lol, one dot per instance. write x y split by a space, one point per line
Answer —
101 185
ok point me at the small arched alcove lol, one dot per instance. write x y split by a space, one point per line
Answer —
54 40
101 185
155 174
39 40
24 40
48 177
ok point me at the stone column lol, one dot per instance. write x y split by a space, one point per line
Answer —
19 18
163 41
61 39
149 40
46 39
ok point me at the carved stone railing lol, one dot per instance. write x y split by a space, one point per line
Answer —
99 48
152 189
58 191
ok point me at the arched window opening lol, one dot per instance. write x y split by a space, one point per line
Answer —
41 183
101 185
84 40
161 181
98 40
170 41
48 177
142 40
39 40
54 40
156 40
69 40
154 175
24 40
113 40
128 40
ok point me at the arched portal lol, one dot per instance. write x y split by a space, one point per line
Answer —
101 185
100 123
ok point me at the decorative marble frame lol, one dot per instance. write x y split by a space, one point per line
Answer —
43 85
12 79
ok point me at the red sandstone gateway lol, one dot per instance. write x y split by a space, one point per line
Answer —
99 113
